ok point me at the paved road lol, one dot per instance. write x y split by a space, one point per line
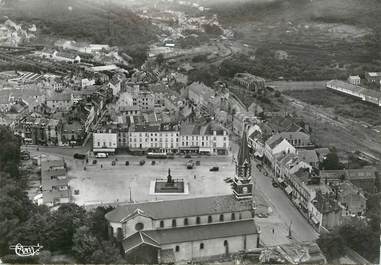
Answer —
301 229
281 205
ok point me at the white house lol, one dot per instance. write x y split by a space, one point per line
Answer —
104 142
276 144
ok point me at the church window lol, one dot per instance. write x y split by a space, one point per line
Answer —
174 223
210 219
139 226
201 245
161 223
198 221
177 248
221 218
186 221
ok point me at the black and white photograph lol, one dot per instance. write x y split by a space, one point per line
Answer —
223 132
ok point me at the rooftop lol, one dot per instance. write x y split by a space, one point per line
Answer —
202 232
181 207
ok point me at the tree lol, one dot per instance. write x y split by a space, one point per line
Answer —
361 238
65 221
332 245
331 162
84 244
159 59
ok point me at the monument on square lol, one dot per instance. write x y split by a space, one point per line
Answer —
169 185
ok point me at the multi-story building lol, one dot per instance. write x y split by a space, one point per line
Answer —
250 82
196 139
54 183
59 102
163 137
39 131
373 77
194 229
364 178
297 139
275 145
105 142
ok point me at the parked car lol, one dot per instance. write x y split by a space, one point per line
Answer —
95 162
214 169
153 162
190 164
142 162
79 156
187 156
275 184
101 155
127 163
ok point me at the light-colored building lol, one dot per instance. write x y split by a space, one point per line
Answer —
275 145
200 94
354 80
373 77
105 142
59 102
164 137
207 140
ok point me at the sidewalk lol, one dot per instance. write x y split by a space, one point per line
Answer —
273 232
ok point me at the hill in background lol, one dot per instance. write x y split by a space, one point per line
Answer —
81 20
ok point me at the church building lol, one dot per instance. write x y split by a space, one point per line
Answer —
193 229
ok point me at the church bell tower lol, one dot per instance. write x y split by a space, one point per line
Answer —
243 185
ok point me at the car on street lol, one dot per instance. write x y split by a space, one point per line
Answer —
214 169
79 156
190 164
275 184
101 155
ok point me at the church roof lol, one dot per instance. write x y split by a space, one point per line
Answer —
243 153
201 232
181 208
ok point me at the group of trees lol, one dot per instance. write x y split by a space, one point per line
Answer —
266 65
68 230
82 20
356 235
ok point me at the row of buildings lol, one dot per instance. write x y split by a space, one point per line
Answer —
326 198
364 94
165 137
